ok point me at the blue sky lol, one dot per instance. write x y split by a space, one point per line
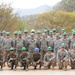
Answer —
29 4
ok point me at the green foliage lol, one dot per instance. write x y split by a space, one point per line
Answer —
55 18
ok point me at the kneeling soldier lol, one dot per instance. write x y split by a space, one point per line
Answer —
37 58
1 60
62 57
72 57
49 59
24 58
12 59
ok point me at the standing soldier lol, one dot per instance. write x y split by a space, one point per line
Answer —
72 57
37 59
24 58
7 43
63 31
46 32
14 39
57 44
19 44
12 59
32 44
54 32
62 57
3 34
1 60
26 37
72 40
38 38
50 40
43 44
49 59
65 40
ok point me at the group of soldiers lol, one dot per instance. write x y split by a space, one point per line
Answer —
46 49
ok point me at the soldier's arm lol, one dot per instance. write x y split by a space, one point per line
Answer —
66 56
53 57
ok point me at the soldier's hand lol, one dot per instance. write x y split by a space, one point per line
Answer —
11 58
72 60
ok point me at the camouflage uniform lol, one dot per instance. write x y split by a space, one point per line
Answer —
19 45
66 41
26 38
57 46
32 44
71 42
72 57
44 45
1 60
24 60
62 56
51 42
49 59
37 60
12 60
7 43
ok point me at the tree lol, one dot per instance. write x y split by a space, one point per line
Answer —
8 20
66 5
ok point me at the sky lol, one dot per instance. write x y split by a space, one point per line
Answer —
30 4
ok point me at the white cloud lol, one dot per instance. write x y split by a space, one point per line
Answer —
31 3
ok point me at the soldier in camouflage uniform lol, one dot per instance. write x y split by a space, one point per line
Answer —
19 44
43 44
26 37
38 38
24 58
72 57
65 40
46 32
37 59
49 59
14 39
12 59
54 32
32 44
7 43
1 60
62 57
57 44
50 40
72 40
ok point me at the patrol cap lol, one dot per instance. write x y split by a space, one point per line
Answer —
19 32
23 49
32 30
54 29
63 30
25 31
38 32
65 34
12 49
57 34
73 32
15 33
7 33
3 32
32 34
49 48
51 32
63 45
74 45
43 34
36 50
45 31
